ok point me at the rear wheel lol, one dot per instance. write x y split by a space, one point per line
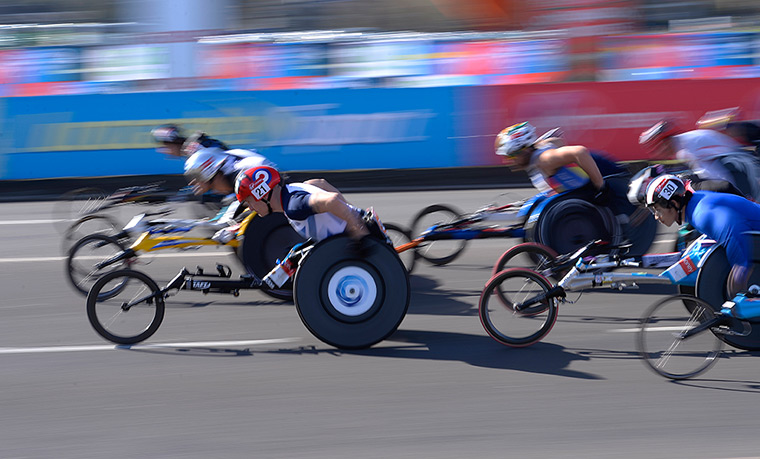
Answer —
661 340
712 288
348 300
512 309
130 315
437 252
566 224
266 240
86 254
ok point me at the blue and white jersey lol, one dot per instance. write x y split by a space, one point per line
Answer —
725 218
317 226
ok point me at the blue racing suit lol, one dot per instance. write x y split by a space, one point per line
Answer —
725 218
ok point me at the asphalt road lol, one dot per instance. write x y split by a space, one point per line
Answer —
229 377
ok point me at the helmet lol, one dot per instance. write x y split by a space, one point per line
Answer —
256 182
514 138
657 133
664 188
203 165
168 133
637 186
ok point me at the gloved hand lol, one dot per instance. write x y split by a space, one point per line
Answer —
603 196
225 235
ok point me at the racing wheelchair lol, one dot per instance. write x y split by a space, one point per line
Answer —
349 295
563 222
519 306
263 242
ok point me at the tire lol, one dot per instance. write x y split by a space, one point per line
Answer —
348 300
437 252
640 231
89 224
711 287
399 236
266 240
502 322
529 255
85 254
567 224
664 351
115 322
76 204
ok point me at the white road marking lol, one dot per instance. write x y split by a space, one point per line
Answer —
185 253
111 347
633 330
30 222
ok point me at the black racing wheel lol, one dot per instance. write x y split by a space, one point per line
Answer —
350 298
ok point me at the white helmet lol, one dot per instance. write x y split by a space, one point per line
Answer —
204 164
637 186
661 190
515 138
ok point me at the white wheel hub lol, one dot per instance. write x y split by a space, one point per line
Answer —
352 291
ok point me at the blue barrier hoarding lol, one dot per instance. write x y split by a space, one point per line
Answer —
341 129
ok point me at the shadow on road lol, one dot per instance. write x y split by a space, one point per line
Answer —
476 350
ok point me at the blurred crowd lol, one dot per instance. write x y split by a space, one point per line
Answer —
77 46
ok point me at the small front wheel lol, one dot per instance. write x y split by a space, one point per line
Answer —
84 256
130 315
531 255
666 343
439 252
514 309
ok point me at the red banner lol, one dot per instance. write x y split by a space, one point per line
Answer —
603 116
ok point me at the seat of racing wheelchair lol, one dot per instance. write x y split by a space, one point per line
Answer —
754 254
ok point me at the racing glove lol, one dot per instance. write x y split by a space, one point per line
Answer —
603 196
225 235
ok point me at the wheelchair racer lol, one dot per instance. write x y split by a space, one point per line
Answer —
710 154
315 213
557 168
724 217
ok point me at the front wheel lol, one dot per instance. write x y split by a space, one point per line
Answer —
530 255
439 252
130 315
665 344
81 264
513 307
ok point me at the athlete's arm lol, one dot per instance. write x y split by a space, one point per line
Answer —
336 205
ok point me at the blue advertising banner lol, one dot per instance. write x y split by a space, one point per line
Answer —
340 129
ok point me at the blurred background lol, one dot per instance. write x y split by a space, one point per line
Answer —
73 46
248 50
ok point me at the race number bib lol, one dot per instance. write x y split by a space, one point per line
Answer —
260 190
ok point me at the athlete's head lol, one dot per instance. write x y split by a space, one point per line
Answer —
666 197
513 141
255 186
171 139
656 139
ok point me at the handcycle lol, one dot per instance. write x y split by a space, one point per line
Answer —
562 222
347 296
519 306
264 240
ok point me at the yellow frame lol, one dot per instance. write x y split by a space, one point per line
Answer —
151 243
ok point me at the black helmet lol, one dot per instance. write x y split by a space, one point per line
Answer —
168 133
